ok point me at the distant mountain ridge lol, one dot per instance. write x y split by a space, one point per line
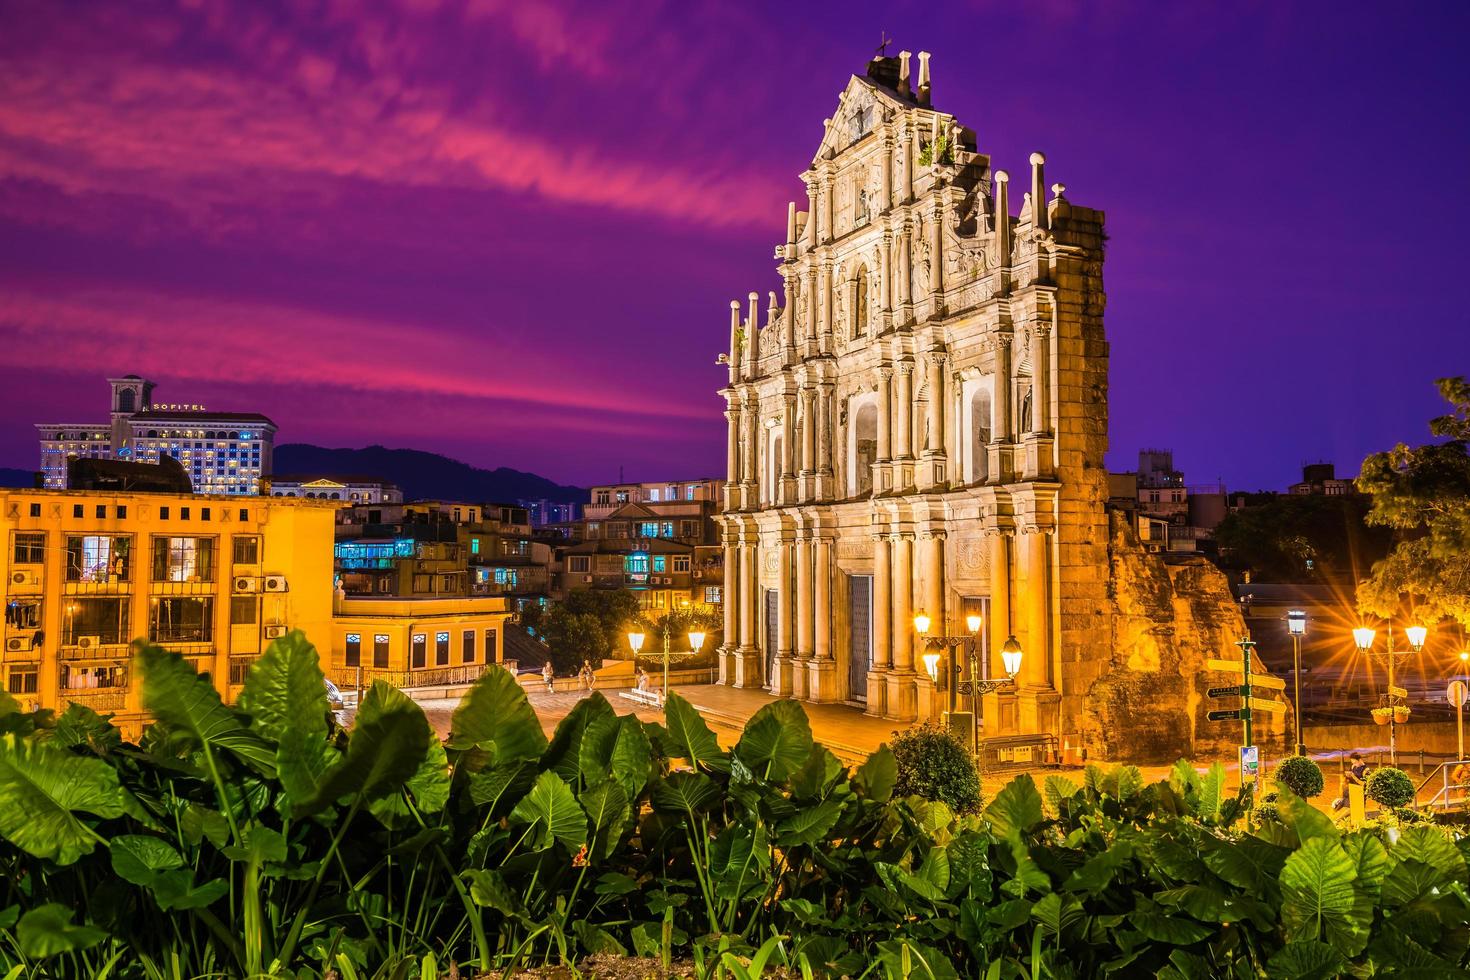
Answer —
423 475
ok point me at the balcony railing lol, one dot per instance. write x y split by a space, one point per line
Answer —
107 650
100 699
346 678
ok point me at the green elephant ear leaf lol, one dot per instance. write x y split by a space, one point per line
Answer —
552 813
47 930
140 859
877 776
1306 959
1016 808
606 805
495 723
632 757
389 741
684 792
191 710
285 689
776 741
1319 900
689 737
42 789
428 787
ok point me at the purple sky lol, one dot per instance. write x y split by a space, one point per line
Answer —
510 230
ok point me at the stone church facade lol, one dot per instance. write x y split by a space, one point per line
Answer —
917 421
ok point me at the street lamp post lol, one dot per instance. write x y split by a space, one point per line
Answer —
696 643
1363 636
1296 625
979 682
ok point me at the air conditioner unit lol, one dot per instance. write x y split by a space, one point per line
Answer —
274 632
89 642
275 583
587 579
24 578
699 574
247 583
17 644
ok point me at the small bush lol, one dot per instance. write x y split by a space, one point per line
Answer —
1301 775
934 764
1390 788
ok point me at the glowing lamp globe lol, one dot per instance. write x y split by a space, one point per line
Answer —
931 664
972 622
1363 637
696 641
1296 622
1010 655
921 623
1417 635
635 640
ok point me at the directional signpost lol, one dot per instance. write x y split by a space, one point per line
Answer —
1457 693
1249 705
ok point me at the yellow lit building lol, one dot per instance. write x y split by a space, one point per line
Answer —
215 578
416 642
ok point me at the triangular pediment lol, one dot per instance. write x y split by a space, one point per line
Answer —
860 108
323 485
631 511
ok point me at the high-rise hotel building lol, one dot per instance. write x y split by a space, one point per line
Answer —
223 452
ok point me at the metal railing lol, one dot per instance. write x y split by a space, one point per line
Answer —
1017 752
351 677
1451 792
112 699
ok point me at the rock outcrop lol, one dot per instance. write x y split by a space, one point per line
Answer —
1168 619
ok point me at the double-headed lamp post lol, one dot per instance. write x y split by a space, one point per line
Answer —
979 682
1363 636
696 643
1296 625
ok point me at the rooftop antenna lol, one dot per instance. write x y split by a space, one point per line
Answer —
885 42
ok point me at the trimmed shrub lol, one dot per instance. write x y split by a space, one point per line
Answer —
1301 775
1390 788
934 764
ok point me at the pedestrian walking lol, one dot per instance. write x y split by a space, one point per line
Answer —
549 676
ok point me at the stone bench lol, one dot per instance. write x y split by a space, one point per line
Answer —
650 698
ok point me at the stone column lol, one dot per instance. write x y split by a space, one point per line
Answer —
752 440
788 449
885 413
781 665
732 448
749 668
728 606
824 290
813 199
936 403
1040 389
882 632
822 672
1003 387
789 314
888 145
934 591
808 429
885 274
1036 668
903 423
824 431
936 265
804 613
906 265
902 697
811 308
1000 622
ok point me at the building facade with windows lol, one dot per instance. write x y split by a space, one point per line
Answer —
349 489
216 578
222 452
658 540
415 642
918 422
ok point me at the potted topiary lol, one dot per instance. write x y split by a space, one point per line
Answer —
934 764
1301 775
1382 715
1390 788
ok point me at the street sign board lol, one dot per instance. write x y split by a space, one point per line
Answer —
1259 704
1235 715
1214 664
1250 762
1266 680
1225 692
1398 692
1456 693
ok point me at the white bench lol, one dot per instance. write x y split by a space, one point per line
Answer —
650 698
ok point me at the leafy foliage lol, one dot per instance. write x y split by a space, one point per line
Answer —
1390 787
934 764
1423 494
262 841
1301 775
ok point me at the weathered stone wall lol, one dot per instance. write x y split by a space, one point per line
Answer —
1149 705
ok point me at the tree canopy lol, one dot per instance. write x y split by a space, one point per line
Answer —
1302 538
1423 495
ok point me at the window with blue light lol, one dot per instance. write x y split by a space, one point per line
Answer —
667 529
648 529
474 546
636 564
660 563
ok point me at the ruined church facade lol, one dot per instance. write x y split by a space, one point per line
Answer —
917 422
